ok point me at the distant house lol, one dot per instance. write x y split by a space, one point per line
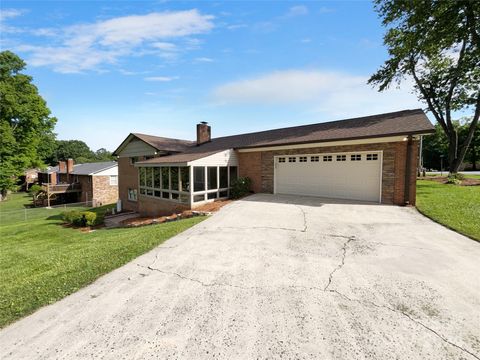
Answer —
29 177
372 158
68 182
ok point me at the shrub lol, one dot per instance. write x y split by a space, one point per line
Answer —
455 179
240 187
80 218
35 189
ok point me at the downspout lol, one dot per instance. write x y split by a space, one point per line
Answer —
408 169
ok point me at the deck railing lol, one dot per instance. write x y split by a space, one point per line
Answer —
60 188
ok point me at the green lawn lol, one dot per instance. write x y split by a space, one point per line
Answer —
457 207
42 261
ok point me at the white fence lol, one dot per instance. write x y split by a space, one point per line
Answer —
35 213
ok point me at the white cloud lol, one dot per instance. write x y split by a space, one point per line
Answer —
10 13
333 93
203 59
161 78
297 10
87 46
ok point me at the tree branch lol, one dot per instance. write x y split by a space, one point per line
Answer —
471 130
454 82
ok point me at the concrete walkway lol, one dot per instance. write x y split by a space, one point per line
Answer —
276 277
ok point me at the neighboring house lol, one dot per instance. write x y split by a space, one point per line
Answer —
372 158
29 177
69 182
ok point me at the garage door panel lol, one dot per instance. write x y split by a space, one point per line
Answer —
357 180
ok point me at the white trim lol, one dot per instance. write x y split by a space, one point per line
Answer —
327 144
380 158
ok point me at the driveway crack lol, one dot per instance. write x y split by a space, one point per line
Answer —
409 317
342 263
304 219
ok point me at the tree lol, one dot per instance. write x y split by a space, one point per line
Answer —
437 44
473 152
73 149
103 154
24 120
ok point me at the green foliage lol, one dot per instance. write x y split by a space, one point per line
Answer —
24 121
437 44
240 187
80 218
455 179
34 189
456 207
77 150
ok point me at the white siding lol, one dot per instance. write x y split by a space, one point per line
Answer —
137 148
111 171
222 158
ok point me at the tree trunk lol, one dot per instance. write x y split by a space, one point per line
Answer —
453 161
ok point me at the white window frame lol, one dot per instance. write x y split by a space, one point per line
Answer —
115 182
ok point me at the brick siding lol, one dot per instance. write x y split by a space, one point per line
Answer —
103 192
127 178
149 206
259 167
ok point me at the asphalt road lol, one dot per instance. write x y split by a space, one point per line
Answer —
276 277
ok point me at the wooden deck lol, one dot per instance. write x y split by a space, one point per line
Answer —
62 188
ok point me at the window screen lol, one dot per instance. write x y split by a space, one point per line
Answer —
198 179
212 177
223 176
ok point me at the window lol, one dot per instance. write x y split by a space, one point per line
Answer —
314 158
372 156
197 198
356 157
212 195
327 158
281 160
233 173
149 177
302 159
198 178
212 177
113 180
292 159
141 172
156 178
165 178
185 178
341 157
133 160
174 178
132 194
223 170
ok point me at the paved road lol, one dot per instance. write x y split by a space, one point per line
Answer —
276 277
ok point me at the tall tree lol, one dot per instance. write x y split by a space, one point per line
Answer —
24 120
73 149
437 44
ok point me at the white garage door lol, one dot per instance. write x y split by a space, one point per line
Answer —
355 175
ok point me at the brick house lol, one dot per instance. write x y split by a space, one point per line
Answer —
68 182
372 158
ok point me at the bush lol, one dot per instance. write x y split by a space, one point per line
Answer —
455 179
80 218
34 189
240 187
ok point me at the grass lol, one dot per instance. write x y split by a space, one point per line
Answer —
445 173
42 261
457 207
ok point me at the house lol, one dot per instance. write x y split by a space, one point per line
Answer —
372 158
91 182
29 177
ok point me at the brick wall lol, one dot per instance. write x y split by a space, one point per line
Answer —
149 206
259 167
127 178
103 192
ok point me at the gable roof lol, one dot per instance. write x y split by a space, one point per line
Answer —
85 169
157 142
406 122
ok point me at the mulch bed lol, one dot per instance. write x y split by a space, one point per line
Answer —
200 211
444 179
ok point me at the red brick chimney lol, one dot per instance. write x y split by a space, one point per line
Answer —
62 167
69 166
203 133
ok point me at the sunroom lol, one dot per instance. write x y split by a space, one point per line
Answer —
190 183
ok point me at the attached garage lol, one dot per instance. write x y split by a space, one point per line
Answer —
346 175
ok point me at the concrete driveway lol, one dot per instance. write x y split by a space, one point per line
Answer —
276 277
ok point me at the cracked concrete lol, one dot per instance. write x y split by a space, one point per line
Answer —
273 277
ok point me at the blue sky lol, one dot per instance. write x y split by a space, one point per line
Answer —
110 68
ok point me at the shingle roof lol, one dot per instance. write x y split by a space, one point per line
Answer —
406 122
159 143
87 168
